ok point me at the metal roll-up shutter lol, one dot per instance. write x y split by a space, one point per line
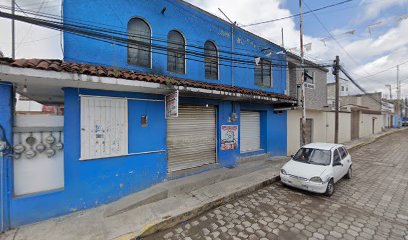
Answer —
250 131
191 138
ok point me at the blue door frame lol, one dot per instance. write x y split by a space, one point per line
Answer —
6 126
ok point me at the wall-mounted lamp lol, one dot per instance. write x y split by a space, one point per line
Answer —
257 60
233 117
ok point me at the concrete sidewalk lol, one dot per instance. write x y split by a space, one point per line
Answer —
165 205
367 140
159 207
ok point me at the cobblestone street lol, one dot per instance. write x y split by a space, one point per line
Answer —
372 205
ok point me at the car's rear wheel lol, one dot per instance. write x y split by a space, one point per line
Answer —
330 188
349 173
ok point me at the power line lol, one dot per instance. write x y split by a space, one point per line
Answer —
126 34
90 23
98 34
296 15
331 35
385 70
114 39
359 86
29 29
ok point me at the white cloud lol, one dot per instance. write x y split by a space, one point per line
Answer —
388 47
372 8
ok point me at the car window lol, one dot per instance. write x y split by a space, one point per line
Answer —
343 153
345 150
336 156
313 156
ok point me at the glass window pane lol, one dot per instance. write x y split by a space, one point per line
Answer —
176 53
139 46
211 60
263 73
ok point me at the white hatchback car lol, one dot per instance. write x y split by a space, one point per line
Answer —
316 167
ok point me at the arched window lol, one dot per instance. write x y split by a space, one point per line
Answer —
140 43
263 73
211 60
176 52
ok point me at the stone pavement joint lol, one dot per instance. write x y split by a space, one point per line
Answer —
365 207
288 214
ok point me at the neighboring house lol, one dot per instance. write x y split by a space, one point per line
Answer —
366 113
114 138
26 105
316 101
388 111
331 92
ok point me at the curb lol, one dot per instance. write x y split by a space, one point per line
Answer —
371 140
375 139
174 220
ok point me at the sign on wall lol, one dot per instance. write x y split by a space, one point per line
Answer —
229 137
172 102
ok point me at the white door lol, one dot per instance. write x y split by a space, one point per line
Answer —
250 131
191 138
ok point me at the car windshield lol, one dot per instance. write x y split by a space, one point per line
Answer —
313 156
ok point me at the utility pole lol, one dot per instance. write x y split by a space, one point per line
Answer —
302 77
336 67
283 40
390 87
13 33
398 99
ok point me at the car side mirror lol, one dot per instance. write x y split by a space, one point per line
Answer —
337 164
291 156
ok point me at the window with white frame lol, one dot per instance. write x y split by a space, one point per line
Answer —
104 128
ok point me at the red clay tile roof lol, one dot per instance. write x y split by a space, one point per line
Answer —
102 71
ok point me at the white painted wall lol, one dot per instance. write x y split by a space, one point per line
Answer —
318 133
366 124
344 127
323 128
27 105
39 174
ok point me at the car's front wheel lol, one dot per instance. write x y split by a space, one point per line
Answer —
330 188
349 173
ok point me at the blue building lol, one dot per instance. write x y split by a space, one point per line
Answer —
120 132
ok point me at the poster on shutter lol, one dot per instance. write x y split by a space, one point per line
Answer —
172 102
229 137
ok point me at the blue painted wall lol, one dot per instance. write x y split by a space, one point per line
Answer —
94 182
196 26
6 126
273 129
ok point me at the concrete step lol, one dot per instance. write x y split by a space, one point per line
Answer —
136 200
184 186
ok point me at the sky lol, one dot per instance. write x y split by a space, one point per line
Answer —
370 36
